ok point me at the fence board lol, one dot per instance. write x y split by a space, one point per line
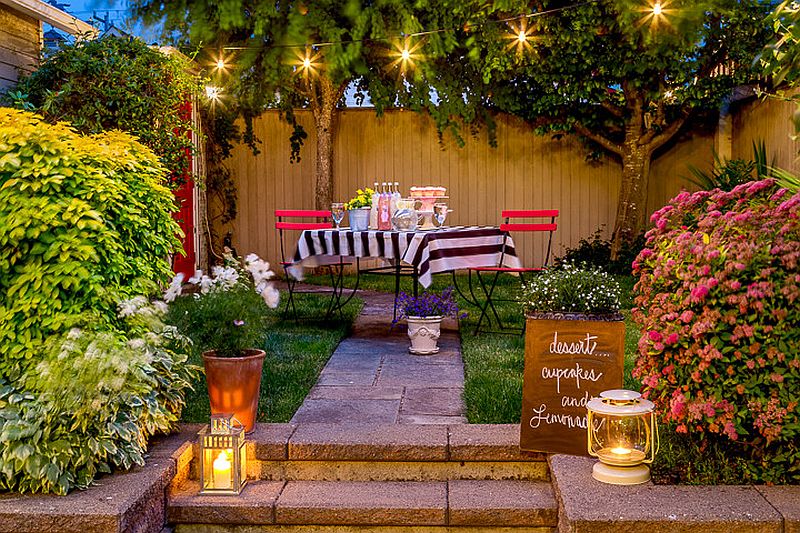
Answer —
524 172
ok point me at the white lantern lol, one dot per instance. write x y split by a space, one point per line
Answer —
223 461
623 434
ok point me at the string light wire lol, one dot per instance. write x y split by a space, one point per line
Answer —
517 18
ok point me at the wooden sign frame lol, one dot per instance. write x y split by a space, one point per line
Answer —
567 362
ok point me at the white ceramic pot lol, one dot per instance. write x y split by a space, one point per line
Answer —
359 218
424 333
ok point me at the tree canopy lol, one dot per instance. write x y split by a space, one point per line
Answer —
622 74
625 75
118 83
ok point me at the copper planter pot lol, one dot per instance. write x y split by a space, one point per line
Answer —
234 384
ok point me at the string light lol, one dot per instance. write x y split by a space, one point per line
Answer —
657 8
213 92
518 37
655 14
521 19
406 55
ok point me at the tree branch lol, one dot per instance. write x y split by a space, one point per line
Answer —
611 108
656 141
599 139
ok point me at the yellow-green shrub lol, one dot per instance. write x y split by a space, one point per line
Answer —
84 220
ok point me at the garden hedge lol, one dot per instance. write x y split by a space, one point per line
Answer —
88 369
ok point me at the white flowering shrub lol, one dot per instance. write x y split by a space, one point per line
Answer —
227 311
92 401
572 289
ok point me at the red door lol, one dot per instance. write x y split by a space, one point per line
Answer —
185 216
184 195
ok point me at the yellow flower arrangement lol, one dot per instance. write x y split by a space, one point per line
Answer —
363 198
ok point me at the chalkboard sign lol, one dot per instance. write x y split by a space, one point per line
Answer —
567 362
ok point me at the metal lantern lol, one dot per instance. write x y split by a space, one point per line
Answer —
623 434
223 459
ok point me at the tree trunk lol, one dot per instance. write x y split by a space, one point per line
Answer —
632 195
325 115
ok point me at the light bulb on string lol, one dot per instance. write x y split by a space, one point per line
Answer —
405 54
657 10
519 37
308 63
655 13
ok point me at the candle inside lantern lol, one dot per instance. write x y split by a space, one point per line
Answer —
621 452
222 471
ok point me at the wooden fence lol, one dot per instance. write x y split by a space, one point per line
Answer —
525 171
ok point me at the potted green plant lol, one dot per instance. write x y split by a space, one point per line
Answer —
225 317
574 350
424 316
358 209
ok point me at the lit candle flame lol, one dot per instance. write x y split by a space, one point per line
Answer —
621 452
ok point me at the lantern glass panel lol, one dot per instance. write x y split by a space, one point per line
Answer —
223 465
621 440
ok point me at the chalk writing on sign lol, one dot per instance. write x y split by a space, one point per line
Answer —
566 363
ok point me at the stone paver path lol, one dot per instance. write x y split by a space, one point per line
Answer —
371 377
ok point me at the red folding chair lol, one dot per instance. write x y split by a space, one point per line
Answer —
282 225
507 227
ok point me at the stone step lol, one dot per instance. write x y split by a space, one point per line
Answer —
459 505
322 452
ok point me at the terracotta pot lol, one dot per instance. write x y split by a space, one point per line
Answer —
234 384
424 332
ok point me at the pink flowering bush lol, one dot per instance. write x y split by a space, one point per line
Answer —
718 302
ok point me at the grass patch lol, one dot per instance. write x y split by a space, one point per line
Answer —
295 356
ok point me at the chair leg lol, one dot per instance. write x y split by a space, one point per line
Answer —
290 283
485 307
489 303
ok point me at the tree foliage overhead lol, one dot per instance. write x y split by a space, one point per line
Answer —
118 83
265 44
623 78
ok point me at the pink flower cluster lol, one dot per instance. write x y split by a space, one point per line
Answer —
718 301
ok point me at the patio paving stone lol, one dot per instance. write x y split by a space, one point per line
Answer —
433 401
371 377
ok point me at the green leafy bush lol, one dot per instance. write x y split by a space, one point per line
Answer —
118 83
83 220
728 173
571 289
596 252
91 403
717 302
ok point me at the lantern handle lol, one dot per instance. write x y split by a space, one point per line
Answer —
656 443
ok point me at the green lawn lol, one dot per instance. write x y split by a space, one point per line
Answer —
493 363
295 356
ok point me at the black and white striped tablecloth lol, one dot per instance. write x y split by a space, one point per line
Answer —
431 251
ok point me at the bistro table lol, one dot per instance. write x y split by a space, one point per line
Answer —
418 254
